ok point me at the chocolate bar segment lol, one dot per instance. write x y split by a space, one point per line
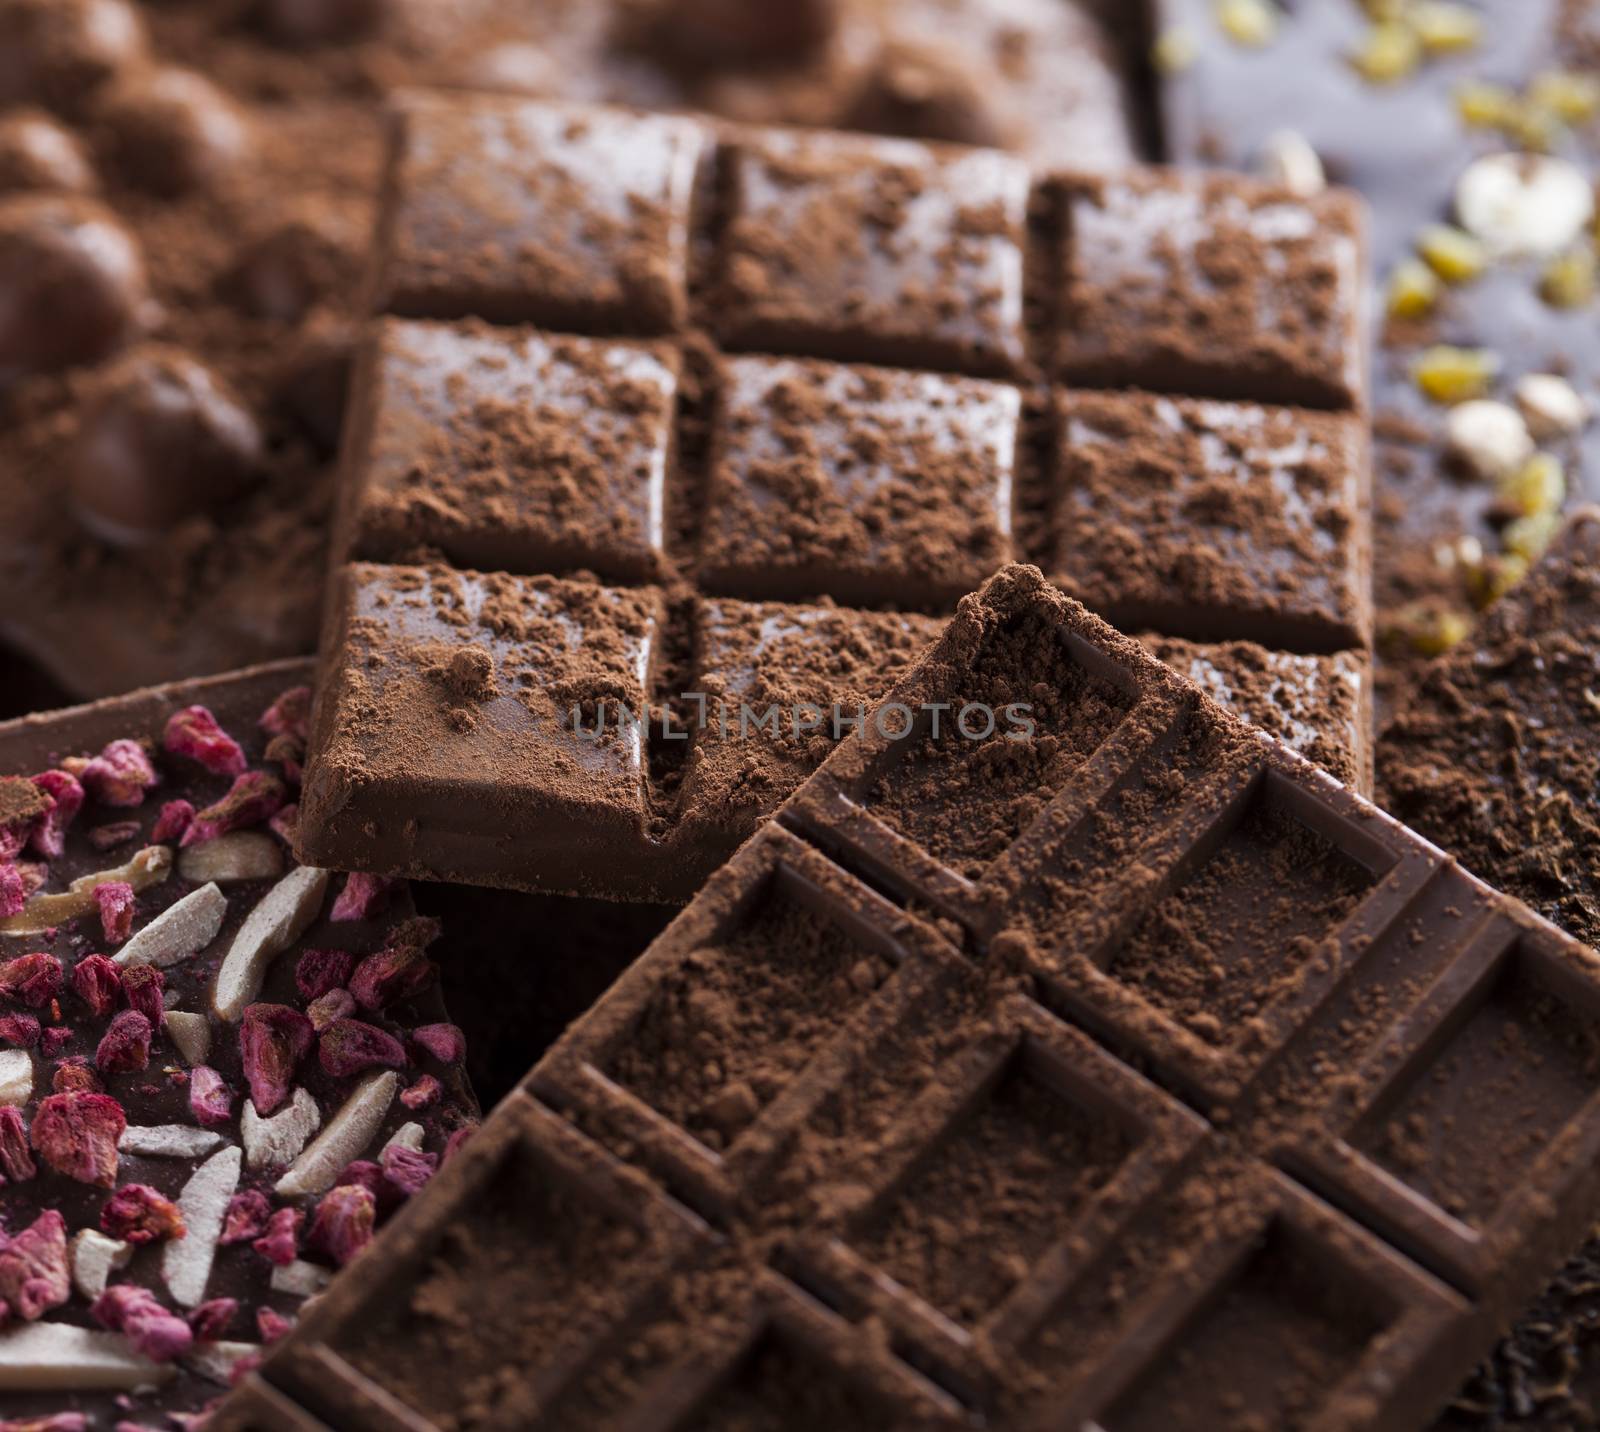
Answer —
1206 1095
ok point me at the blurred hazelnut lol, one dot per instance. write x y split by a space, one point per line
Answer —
925 91
287 269
38 154
170 131
58 52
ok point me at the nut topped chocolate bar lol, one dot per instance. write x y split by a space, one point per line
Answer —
790 382
220 1070
1066 1053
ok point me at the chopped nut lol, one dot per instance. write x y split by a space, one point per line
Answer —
1524 205
445 1042
1454 255
194 733
76 1134
60 1355
149 867
279 1140
273 1039
1429 630
168 1141
94 1258
137 1214
1174 51
210 1099
1288 159
245 1217
142 987
1414 290
34 1273
1445 27
300 1279
1390 52
1455 375
1569 280
125 1046
407 1136
1248 22
1491 439
1529 537
1539 485
351 1046
319 971
254 798
190 1035
280 919
204 1203
1551 405
16 1077
347 1134
15 1161
1571 95
98 983
223 1363
344 1223
134 1312
230 859
179 932
176 817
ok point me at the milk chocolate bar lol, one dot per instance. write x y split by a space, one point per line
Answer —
200 1038
1065 1053
563 545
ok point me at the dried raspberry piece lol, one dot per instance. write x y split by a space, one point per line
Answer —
134 1312
286 824
115 899
280 1244
344 1221
363 897
98 983
15 1160
176 817
445 1042
195 733
288 753
33 980
210 1099
74 1076
19 1030
246 1216
272 1325
76 1134
289 715
396 973
273 1039
34 1273
253 798
210 1320
337 1004
319 971
54 1039
13 892
120 775
125 1046
422 1093
113 834
454 1144
137 1214
66 800
348 1046
364 1173
408 1169
142 987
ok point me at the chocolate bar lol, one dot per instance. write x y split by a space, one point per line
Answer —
566 550
185 198
200 1038
1065 1052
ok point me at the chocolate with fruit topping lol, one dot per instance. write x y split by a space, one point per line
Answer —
552 535
1109 1068
221 1070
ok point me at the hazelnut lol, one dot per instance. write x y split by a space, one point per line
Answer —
58 52
170 131
162 440
36 153
72 283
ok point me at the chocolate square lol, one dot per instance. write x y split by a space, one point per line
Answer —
875 250
510 449
868 484
1214 286
1215 521
528 212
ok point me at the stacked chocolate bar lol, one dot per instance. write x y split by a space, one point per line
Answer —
581 565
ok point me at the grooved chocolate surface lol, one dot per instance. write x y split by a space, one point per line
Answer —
912 416
900 1141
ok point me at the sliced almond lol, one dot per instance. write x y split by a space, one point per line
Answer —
190 1034
16 1076
216 1361
278 1140
149 867
240 855
301 1279
407 1136
179 932
94 1258
345 1139
186 1262
57 1357
284 914
168 1141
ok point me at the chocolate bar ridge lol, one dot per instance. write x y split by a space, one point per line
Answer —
1066 1078
804 382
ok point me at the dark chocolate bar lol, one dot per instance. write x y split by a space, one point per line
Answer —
573 554
1066 1053
199 1039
